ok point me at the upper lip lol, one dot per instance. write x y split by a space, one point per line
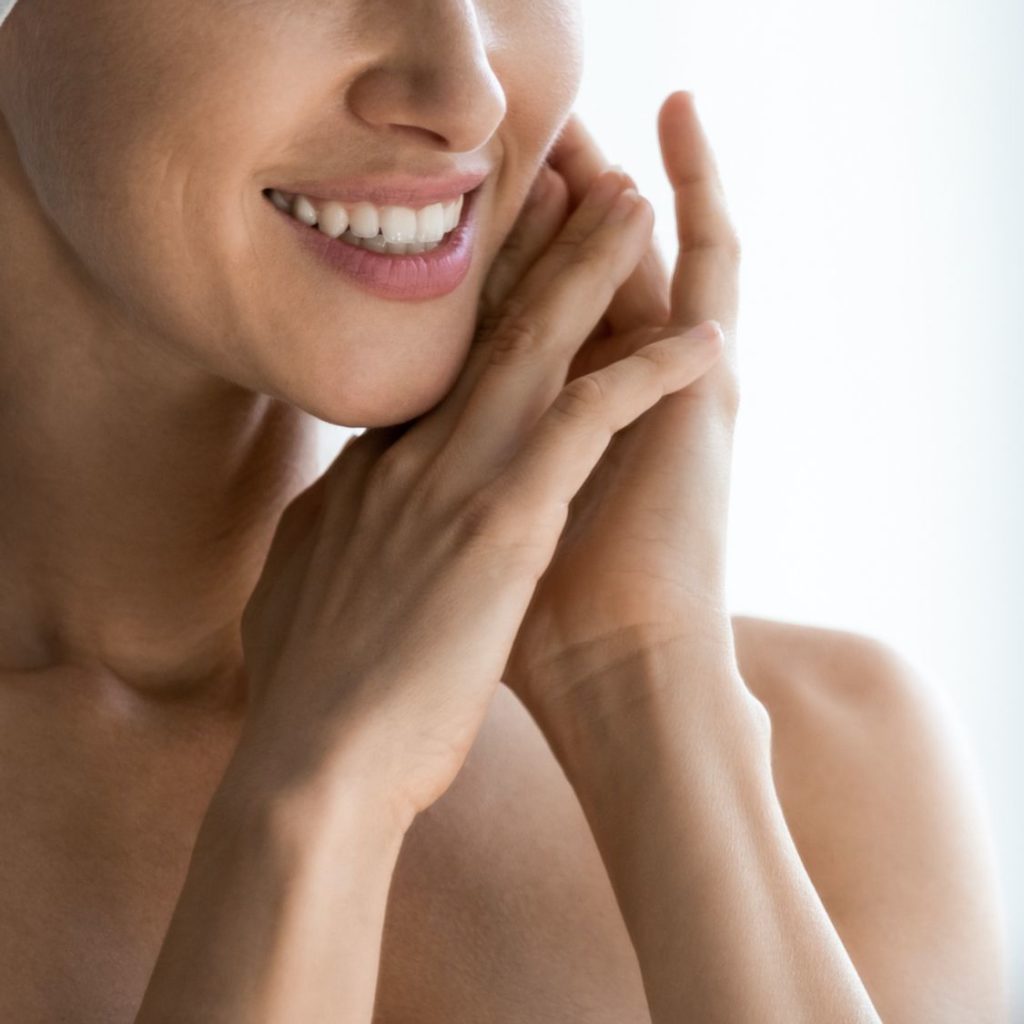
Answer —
390 189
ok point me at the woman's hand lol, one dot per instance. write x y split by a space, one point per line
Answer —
642 558
395 585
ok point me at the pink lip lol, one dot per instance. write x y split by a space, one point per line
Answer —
391 190
425 275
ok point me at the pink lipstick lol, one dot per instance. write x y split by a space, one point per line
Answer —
404 277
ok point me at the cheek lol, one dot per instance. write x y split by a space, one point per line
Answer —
537 51
141 152
131 163
539 60
144 153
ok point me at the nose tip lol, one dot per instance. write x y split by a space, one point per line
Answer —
458 107
435 80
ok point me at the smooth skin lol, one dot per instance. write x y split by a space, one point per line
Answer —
647 711
335 781
441 549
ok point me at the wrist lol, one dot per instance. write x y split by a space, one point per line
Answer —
301 802
282 909
664 700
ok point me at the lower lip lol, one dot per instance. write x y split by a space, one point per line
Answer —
423 275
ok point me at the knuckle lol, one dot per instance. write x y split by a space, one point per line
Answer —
486 516
657 357
392 470
493 314
586 257
513 308
570 238
517 335
582 398
489 318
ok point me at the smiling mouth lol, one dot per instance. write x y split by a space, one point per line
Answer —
390 230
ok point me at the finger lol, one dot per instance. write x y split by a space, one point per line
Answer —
702 219
542 217
435 430
344 480
569 439
300 527
562 299
705 283
644 295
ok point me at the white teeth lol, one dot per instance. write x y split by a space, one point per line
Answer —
363 220
398 223
388 229
378 243
430 223
452 212
304 210
333 219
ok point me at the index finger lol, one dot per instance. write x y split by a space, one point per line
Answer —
643 298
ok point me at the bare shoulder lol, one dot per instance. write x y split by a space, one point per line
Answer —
501 908
881 797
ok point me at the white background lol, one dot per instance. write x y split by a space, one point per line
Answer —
873 155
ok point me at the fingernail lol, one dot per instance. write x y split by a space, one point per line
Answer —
706 331
618 168
627 201
606 187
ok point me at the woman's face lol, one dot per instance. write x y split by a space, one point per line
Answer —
150 131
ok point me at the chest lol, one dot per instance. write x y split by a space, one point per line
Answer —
100 807
496 909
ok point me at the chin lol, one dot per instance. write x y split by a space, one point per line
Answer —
376 370
351 399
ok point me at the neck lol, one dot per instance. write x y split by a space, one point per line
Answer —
138 496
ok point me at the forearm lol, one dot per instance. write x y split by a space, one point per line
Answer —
676 785
281 915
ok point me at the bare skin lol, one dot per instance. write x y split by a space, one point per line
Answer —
500 907
161 446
